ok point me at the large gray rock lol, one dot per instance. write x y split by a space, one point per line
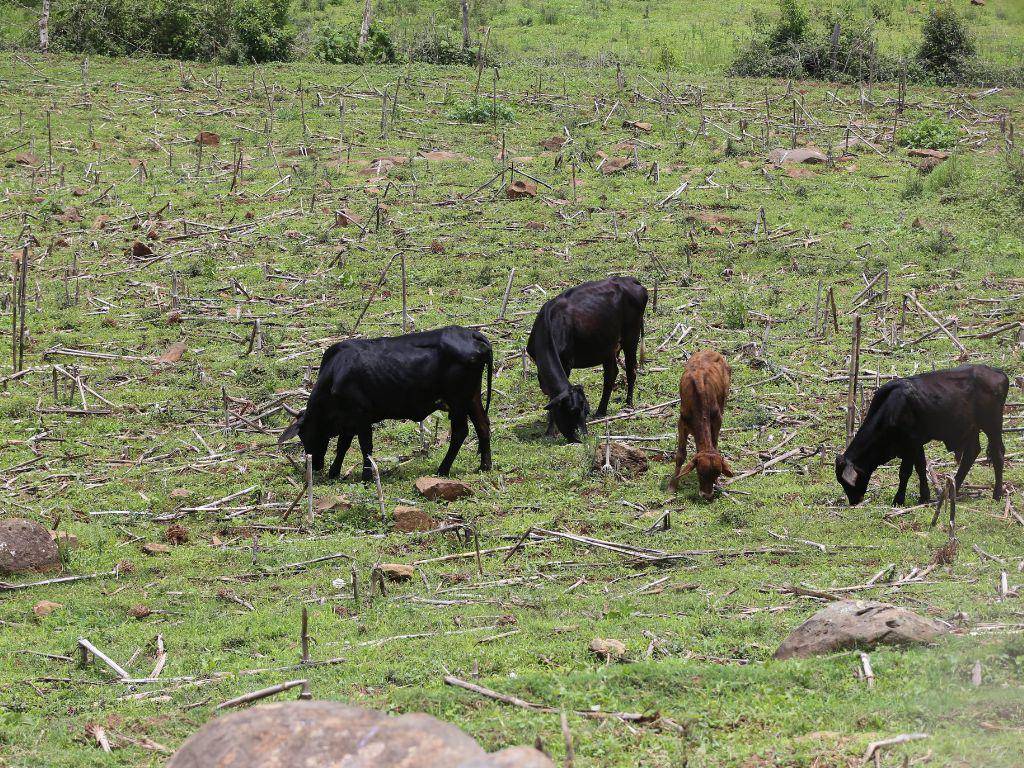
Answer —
329 734
848 624
26 546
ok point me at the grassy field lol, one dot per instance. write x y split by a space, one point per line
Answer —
245 231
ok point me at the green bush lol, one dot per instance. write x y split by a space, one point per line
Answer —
482 111
225 30
929 133
341 46
794 47
947 49
440 47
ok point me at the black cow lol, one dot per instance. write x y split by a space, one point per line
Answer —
953 406
582 328
363 381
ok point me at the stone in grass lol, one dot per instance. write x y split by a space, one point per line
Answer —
441 488
26 546
409 519
864 624
608 649
802 155
45 608
155 548
519 189
329 734
624 459
397 571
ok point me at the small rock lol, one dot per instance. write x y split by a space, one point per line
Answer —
208 138
408 519
441 488
615 164
803 155
624 459
864 624
26 546
26 158
155 548
936 153
520 189
638 126
345 218
173 353
929 164
45 608
139 611
397 571
333 502
554 143
141 250
607 648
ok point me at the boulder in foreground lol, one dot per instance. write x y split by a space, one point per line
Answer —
329 734
864 624
26 546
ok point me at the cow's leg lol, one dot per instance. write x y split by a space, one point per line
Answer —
996 452
482 425
906 470
629 352
344 441
460 429
680 456
611 370
716 427
968 453
366 446
921 465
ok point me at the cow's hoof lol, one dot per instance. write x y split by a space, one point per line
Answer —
485 466
899 501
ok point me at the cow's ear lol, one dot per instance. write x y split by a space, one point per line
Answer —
556 400
689 467
726 469
293 429
850 474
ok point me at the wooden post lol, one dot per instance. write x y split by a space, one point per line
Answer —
851 395
304 637
380 489
465 25
508 289
364 29
44 28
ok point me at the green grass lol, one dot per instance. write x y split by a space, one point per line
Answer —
717 620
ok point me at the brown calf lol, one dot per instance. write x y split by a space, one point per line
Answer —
703 390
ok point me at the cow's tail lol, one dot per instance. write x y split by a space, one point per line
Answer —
489 362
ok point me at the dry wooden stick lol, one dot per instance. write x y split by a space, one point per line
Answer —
260 694
523 704
118 670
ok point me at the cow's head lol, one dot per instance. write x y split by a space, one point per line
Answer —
710 465
853 479
570 411
314 436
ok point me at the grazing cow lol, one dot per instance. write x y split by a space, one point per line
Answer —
363 381
703 390
585 327
953 406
